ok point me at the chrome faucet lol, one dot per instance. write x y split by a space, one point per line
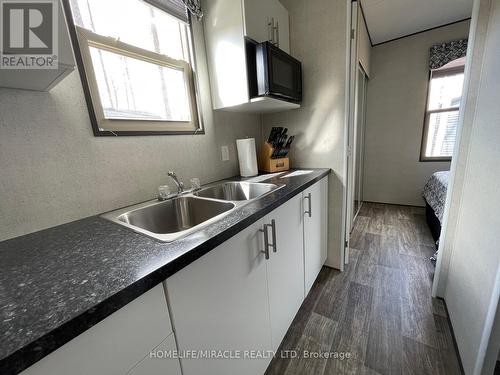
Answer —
179 184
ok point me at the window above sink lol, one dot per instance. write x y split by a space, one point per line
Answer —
137 80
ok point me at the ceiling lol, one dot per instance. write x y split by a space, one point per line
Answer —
391 19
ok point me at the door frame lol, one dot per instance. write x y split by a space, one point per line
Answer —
352 73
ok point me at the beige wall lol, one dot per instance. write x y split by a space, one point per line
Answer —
397 93
318 40
53 170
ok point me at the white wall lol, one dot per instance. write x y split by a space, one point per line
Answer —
477 38
318 40
474 272
53 170
397 93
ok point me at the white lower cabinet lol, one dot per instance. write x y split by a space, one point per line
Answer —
229 310
285 268
116 344
160 362
243 295
220 302
315 230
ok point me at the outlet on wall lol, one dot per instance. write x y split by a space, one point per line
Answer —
224 150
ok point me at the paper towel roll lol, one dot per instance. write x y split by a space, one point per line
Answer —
247 157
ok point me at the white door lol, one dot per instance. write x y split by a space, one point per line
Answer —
315 230
220 302
285 267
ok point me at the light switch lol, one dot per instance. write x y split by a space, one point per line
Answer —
225 153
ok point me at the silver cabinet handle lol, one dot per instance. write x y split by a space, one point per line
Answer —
267 245
309 211
270 28
266 242
277 34
273 227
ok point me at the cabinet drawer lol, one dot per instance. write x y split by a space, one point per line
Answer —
114 345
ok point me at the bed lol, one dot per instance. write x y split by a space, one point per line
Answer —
434 194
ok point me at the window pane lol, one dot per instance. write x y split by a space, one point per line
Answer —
135 89
442 133
446 91
133 22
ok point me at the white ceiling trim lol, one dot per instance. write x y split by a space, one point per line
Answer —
392 19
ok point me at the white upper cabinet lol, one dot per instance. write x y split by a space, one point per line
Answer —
315 230
43 79
267 20
226 24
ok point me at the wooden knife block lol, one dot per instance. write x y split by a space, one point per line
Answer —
267 164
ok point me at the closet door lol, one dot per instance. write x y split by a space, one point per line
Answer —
359 139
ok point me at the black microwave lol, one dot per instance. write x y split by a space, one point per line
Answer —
273 72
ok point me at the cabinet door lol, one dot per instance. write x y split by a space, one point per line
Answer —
285 268
220 302
159 363
315 230
283 24
114 345
258 14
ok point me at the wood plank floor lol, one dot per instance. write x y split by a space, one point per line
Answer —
379 310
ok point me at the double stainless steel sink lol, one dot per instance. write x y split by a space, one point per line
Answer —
177 217
236 191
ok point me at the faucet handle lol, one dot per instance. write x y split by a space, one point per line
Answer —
180 185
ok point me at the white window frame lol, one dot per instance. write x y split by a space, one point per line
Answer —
429 112
82 39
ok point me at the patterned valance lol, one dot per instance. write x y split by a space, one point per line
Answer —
442 54
194 7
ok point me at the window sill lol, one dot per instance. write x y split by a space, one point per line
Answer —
424 160
109 133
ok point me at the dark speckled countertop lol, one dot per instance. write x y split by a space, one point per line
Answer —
56 283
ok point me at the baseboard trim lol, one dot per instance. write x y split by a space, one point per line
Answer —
394 204
453 335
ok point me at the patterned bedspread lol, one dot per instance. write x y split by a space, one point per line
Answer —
435 192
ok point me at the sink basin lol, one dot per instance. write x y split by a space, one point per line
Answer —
171 219
174 218
237 191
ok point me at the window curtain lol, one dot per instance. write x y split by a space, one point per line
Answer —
442 54
194 7
179 8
